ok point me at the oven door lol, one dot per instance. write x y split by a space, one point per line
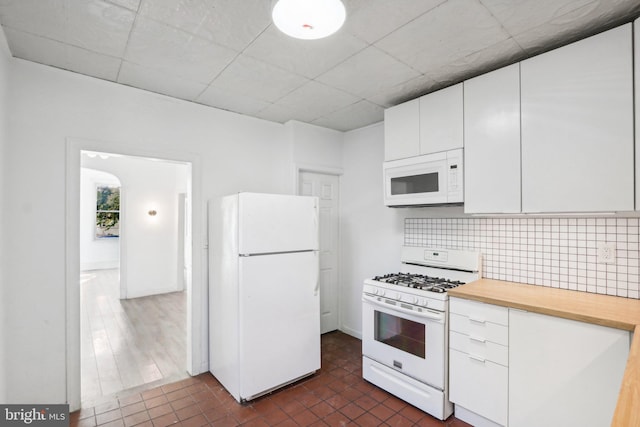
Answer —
403 339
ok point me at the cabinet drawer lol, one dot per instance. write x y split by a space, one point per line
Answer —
480 330
479 348
480 387
479 311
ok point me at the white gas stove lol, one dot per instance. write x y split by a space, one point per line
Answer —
405 325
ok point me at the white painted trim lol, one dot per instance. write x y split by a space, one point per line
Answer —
307 167
197 308
347 330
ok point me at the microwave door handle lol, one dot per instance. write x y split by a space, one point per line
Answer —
422 314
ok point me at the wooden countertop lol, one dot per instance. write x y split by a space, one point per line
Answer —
615 312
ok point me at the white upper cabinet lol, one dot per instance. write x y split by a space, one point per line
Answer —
402 131
441 120
492 142
577 126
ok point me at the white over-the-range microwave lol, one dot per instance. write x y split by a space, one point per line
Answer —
430 179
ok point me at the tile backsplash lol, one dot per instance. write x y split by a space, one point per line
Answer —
555 252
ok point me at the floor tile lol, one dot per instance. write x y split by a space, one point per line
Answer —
335 396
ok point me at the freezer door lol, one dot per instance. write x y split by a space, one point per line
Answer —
271 223
279 320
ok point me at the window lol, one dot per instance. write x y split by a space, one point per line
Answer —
107 212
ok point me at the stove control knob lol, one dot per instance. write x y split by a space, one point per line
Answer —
423 302
381 292
414 300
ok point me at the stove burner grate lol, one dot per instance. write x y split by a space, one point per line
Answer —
419 281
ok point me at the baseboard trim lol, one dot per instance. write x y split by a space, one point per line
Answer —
349 331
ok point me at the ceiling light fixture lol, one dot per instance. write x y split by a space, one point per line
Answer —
308 19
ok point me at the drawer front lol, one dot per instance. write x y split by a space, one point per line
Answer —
479 311
479 348
479 330
478 386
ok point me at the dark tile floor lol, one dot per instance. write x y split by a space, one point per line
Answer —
335 396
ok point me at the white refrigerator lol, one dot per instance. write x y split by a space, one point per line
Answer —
264 309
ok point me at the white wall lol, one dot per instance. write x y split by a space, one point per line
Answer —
315 146
150 242
4 108
235 153
371 234
95 254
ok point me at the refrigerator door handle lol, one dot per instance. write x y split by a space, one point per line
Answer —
317 272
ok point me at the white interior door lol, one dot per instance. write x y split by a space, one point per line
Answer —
326 188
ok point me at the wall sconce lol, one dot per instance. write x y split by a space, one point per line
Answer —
152 212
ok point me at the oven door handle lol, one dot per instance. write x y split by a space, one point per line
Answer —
438 317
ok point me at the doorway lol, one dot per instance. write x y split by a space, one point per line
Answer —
133 307
195 284
327 188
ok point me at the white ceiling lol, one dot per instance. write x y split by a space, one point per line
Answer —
227 54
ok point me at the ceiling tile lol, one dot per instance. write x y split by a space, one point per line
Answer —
42 18
355 116
315 100
98 26
371 20
574 25
221 98
278 113
518 16
92 64
174 51
129 4
404 91
229 23
227 53
51 52
159 81
309 58
34 48
368 73
256 79
453 30
500 54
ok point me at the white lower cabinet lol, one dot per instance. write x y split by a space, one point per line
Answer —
563 372
478 362
522 369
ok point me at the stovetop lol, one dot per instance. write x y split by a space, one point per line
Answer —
419 281
425 276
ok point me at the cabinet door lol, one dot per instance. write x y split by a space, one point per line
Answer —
577 126
563 372
636 57
402 131
478 385
441 120
492 142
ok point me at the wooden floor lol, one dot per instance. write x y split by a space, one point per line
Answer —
131 344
